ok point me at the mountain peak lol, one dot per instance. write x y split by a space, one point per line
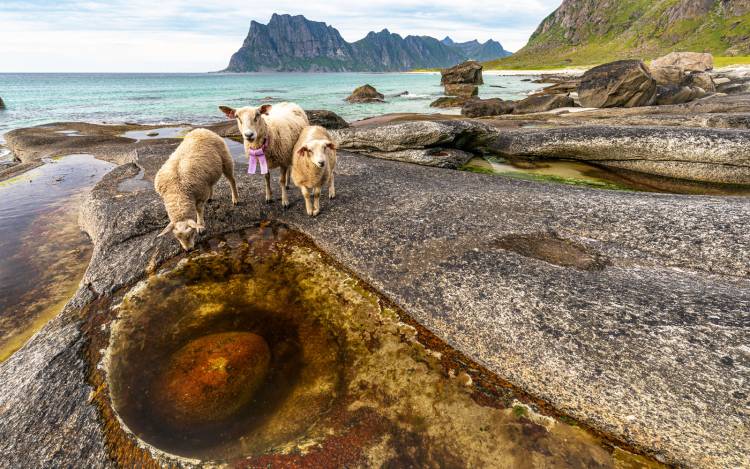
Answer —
294 43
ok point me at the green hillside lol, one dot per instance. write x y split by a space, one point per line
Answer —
587 32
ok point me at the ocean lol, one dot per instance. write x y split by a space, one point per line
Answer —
34 99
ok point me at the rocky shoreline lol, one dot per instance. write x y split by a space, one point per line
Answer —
626 311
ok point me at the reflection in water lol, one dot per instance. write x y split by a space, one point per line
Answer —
259 352
151 134
43 252
583 174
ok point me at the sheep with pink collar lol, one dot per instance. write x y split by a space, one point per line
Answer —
270 133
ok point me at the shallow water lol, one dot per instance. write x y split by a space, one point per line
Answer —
34 99
340 382
152 134
583 174
44 253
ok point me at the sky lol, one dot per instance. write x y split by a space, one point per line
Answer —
199 35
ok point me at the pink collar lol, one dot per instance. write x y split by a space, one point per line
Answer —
258 156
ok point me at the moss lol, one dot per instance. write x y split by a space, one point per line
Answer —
520 411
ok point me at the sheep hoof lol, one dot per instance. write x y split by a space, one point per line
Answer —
315 213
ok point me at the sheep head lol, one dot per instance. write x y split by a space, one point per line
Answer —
250 122
185 232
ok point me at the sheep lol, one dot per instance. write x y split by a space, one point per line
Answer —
274 129
313 166
186 181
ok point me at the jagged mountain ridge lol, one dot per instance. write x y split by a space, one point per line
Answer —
582 32
475 50
293 43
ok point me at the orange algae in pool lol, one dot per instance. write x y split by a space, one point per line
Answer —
347 383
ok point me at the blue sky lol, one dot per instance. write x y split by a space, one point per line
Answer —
200 35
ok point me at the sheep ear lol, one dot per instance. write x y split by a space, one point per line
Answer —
166 230
193 224
302 151
331 146
230 112
265 109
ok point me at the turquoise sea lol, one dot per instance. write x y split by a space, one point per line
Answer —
34 99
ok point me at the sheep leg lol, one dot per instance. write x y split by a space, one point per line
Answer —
269 196
232 184
331 188
283 184
316 207
308 203
200 208
210 194
288 176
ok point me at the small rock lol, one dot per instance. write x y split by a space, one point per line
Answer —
366 94
542 103
327 119
212 377
486 107
688 61
152 134
2 104
668 75
700 80
626 83
449 101
666 95
403 93
467 73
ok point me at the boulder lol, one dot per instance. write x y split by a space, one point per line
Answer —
700 80
466 73
542 103
668 75
366 94
666 95
327 119
2 104
688 61
626 83
461 90
449 102
486 107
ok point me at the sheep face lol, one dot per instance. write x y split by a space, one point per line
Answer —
318 152
185 232
250 121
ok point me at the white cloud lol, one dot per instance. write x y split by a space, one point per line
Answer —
194 35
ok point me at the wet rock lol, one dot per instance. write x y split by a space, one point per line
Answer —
461 90
486 107
668 75
2 104
700 80
327 119
447 102
366 94
212 377
688 61
542 103
666 95
709 155
626 83
466 73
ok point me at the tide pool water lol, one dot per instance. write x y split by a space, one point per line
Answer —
34 99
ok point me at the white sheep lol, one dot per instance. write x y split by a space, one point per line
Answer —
186 181
313 166
275 129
